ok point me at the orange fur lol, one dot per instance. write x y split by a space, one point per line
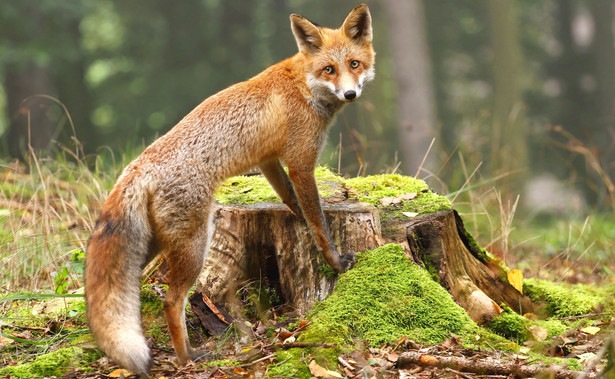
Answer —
162 201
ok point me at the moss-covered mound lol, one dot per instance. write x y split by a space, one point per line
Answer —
384 297
563 299
370 189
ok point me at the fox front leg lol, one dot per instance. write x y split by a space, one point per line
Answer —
277 177
307 193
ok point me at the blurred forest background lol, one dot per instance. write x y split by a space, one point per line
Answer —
517 96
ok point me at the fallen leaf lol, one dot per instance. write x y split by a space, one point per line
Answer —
317 370
392 357
284 334
538 334
408 196
386 201
5 341
515 278
591 330
520 357
320 372
290 339
119 373
303 323
410 214
240 371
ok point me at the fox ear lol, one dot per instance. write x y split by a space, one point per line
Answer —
358 24
306 33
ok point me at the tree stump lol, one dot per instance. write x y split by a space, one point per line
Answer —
265 242
440 243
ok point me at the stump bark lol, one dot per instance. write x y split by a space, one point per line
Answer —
265 242
478 282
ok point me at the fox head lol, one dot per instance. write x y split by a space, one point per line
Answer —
338 62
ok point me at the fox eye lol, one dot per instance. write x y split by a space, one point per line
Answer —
354 64
329 70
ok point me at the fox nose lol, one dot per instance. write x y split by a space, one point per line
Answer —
349 95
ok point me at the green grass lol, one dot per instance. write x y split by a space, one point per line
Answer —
47 209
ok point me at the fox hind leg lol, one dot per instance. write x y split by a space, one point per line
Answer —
185 263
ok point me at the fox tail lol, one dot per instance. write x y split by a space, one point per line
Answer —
116 254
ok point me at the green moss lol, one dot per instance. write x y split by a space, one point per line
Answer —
290 363
384 297
511 325
246 190
151 303
517 328
255 188
152 309
475 247
563 299
57 363
327 271
222 363
370 189
571 363
554 327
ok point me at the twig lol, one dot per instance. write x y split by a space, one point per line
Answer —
303 344
569 318
483 366
448 369
345 363
258 360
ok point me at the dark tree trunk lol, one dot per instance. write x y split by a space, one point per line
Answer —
30 125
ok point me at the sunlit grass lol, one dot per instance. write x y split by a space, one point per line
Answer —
47 209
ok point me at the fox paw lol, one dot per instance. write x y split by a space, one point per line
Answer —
348 260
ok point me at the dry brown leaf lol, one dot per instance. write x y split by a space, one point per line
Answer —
538 334
320 372
392 357
119 373
386 201
241 371
4 341
408 196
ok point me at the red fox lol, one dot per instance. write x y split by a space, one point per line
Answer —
161 202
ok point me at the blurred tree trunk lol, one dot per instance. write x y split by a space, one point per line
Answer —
509 128
29 122
604 58
415 95
75 94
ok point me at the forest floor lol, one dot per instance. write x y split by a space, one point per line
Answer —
49 335
45 216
